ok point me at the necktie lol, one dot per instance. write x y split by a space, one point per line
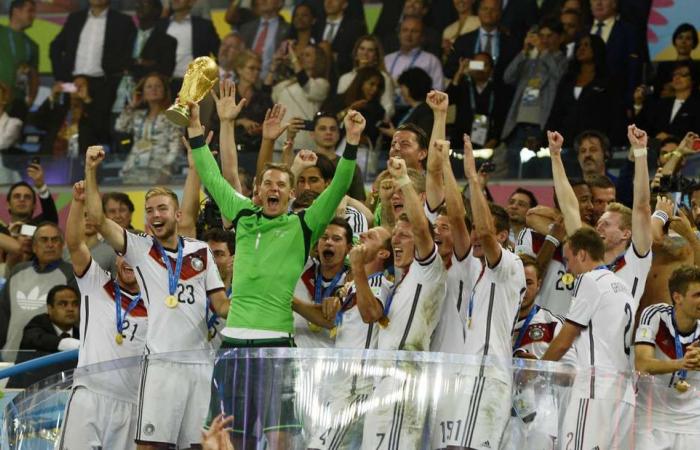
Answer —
599 29
488 48
331 32
262 36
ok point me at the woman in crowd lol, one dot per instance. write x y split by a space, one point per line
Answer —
247 66
685 40
363 95
368 52
10 132
584 100
304 92
156 140
301 31
467 22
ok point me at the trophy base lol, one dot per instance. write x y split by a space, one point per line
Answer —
179 115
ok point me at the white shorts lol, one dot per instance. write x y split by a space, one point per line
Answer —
472 413
173 402
665 440
602 423
394 419
345 428
93 420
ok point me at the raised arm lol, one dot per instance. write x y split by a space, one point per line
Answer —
75 231
641 211
190 194
272 129
413 206
228 110
110 231
434 184
568 203
370 308
454 203
481 213
302 161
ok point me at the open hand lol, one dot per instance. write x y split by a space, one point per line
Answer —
469 163
272 127
217 436
226 106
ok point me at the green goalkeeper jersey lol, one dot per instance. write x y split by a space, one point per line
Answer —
270 252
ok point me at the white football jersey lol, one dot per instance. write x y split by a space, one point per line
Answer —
554 294
540 332
414 309
305 290
356 220
633 270
603 308
98 331
668 409
353 332
449 334
183 327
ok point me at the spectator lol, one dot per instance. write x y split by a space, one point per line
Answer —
431 38
231 46
54 331
304 92
411 53
466 23
489 38
519 203
480 101
223 247
355 9
24 293
674 115
410 143
535 73
340 32
602 193
154 48
414 85
302 29
97 43
519 16
156 142
117 206
363 95
21 199
685 40
621 42
10 132
247 66
593 150
368 52
585 100
20 57
573 26
265 34
237 15
195 37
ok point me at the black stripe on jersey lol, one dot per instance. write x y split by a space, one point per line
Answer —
590 340
143 283
65 419
634 285
581 424
651 311
489 316
473 411
414 306
428 259
141 389
395 432
368 341
603 275
459 297
87 321
577 284
306 232
521 235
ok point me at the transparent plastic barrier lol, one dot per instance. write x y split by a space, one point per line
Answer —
322 399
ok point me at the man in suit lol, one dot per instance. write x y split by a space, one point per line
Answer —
95 42
389 31
621 45
519 16
195 37
264 34
153 50
53 331
489 38
341 32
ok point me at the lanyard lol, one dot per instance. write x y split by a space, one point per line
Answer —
118 306
13 49
613 265
471 297
683 373
321 293
173 276
396 59
472 98
349 297
523 329
143 124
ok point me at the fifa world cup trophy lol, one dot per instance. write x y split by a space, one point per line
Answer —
201 75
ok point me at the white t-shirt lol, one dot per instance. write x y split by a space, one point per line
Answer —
671 411
449 334
305 336
414 308
633 270
183 327
353 332
540 332
98 329
554 294
603 307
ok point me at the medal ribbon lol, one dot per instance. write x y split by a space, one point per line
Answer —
471 297
319 295
683 373
348 299
210 316
118 306
173 276
526 324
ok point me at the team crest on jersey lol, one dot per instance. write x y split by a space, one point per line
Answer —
197 264
536 333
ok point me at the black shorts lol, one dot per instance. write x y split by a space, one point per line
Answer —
259 392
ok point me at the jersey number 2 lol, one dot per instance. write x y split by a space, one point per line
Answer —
627 337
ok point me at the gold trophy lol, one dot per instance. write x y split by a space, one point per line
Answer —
201 75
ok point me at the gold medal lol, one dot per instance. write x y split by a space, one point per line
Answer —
315 328
567 278
210 335
119 339
171 301
682 386
334 332
384 322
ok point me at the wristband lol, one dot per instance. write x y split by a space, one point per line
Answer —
639 152
43 191
553 240
403 181
662 216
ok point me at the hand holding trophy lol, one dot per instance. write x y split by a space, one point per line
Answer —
201 75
